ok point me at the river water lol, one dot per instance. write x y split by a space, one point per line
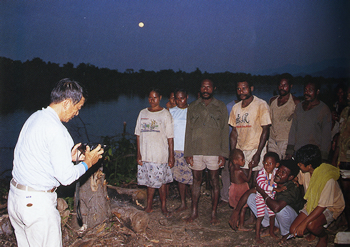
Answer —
101 119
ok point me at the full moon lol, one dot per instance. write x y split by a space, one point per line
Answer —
141 24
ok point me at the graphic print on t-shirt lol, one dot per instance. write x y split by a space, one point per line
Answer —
149 125
242 120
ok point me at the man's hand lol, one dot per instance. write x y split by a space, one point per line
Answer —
300 229
92 156
255 160
221 161
76 153
283 188
189 160
171 161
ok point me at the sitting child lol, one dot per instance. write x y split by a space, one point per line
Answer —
265 180
239 183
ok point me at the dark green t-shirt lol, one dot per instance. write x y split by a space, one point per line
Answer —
291 196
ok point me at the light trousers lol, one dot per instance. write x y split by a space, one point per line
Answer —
35 218
283 220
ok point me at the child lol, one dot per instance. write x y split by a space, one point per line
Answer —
181 171
265 180
171 103
239 183
155 149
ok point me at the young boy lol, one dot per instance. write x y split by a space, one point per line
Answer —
265 180
239 183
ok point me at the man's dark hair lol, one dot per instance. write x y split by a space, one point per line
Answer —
210 80
272 155
309 155
314 82
67 89
286 76
292 165
249 82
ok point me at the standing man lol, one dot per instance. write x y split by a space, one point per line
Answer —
282 108
312 123
250 121
225 173
206 144
42 161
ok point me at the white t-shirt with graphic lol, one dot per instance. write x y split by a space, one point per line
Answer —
154 129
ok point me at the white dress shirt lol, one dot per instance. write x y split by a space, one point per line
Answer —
42 157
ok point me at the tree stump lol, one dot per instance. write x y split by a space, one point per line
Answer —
94 204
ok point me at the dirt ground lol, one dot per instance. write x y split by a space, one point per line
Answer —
172 231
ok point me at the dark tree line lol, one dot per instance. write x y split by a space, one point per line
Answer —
27 85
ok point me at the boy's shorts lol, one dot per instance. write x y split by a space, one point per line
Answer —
236 191
327 214
200 162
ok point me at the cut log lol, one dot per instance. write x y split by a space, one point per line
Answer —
93 199
5 225
133 218
136 194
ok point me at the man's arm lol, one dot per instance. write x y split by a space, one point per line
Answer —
274 205
291 136
233 138
171 158
326 135
225 132
263 138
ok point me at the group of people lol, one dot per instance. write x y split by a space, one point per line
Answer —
268 151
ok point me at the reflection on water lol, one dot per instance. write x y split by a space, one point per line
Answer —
101 119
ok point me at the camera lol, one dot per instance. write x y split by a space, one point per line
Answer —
92 146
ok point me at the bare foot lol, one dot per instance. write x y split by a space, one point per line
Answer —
259 241
274 236
180 209
233 222
191 218
265 233
283 240
214 221
148 210
322 242
243 229
166 213
310 237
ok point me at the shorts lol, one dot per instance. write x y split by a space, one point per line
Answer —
278 147
153 175
235 193
248 154
181 171
200 162
327 214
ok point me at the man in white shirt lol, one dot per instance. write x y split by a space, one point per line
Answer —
43 159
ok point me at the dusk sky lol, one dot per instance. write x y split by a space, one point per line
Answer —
214 36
